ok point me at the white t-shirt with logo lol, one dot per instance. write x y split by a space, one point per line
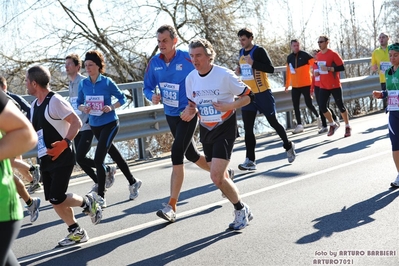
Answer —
219 85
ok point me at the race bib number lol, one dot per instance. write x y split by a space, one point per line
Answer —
207 112
384 66
96 103
322 63
41 146
393 100
74 104
246 72
170 94
292 69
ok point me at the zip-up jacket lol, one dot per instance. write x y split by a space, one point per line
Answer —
106 87
298 70
170 79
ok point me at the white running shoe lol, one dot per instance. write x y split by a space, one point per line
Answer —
298 129
319 124
34 185
36 173
242 218
337 121
102 202
92 208
167 213
396 182
33 209
94 188
247 165
323 130
110 177
134 189
78 235
291 155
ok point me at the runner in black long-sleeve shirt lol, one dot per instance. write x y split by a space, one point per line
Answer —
254 63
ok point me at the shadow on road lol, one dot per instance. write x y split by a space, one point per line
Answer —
349 218
81 255
185 250
352 148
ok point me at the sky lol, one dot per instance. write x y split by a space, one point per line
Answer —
302 12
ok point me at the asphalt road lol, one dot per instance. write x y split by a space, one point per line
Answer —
332 206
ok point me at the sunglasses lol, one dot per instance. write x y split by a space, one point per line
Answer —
321 41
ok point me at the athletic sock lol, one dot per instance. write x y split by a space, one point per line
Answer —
238 206
72 227
173 203
29 202
84 204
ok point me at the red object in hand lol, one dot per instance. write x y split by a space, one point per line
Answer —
58 148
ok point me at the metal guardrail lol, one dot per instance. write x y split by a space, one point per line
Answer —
142 122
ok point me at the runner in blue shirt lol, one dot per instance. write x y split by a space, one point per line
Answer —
94 98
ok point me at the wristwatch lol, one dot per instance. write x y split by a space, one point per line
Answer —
68 141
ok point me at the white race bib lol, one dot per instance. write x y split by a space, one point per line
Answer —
384 66
207 112
246 72
170 94
393 100
74 104
41 146
292 69
96 103
322 63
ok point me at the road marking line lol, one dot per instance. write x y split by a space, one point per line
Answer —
199 209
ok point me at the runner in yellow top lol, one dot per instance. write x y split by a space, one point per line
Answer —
380 59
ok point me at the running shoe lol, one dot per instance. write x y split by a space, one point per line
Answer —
110 177
337 121
332 130
167 213
92 208
231 176
298 129
36 173
291 155
396 182
319 124
34 185
33 209
134 189
248 165
77 235
347 132
102 202
94 188
242 218
323 130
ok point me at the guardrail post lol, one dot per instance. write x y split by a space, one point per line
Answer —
288 119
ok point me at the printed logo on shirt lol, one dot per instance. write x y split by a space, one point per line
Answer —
179 66
94 98
158 68
202 93
205 101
